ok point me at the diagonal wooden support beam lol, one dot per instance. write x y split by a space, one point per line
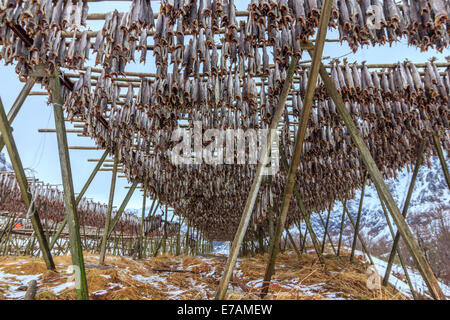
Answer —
251 199
358 219
76 248
437 145
141 232
6 132
15 108
326 233
363 243
110 205
291 239
417 165
122 208
377 178
341 229
305 214
316 55
79 197
399 253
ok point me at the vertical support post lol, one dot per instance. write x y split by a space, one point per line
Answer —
344 203
251 199
15 108
294 164
358 219
363 243
122 208
325 234
5 129
260 240
305 214
304 241
271 226
437 145
400 256
79 197
110 205
377 178
76 248
291 239
164 244
141 233
417 165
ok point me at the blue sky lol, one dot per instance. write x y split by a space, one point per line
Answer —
39 150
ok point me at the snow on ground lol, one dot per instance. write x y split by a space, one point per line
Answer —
128 279
15 283
417 281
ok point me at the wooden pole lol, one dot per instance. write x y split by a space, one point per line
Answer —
31 290
344 203
15 108
16 162
417 165
358 219
325 234
109 212
260 240
305 214
377 178
78 199
399 253
141 234
291 239
292 172
363 243
164 245
122 207
251 199
76 248
437 145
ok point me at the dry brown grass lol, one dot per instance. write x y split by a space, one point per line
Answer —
294 278
338 276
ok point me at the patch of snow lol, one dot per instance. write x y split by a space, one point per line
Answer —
16 281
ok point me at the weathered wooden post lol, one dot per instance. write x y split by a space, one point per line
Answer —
417 165
76 248
358 219
316 55
251 199
341 229
325 233
108 213
122 207
399 253
141 232
363 243
164 244
305 214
